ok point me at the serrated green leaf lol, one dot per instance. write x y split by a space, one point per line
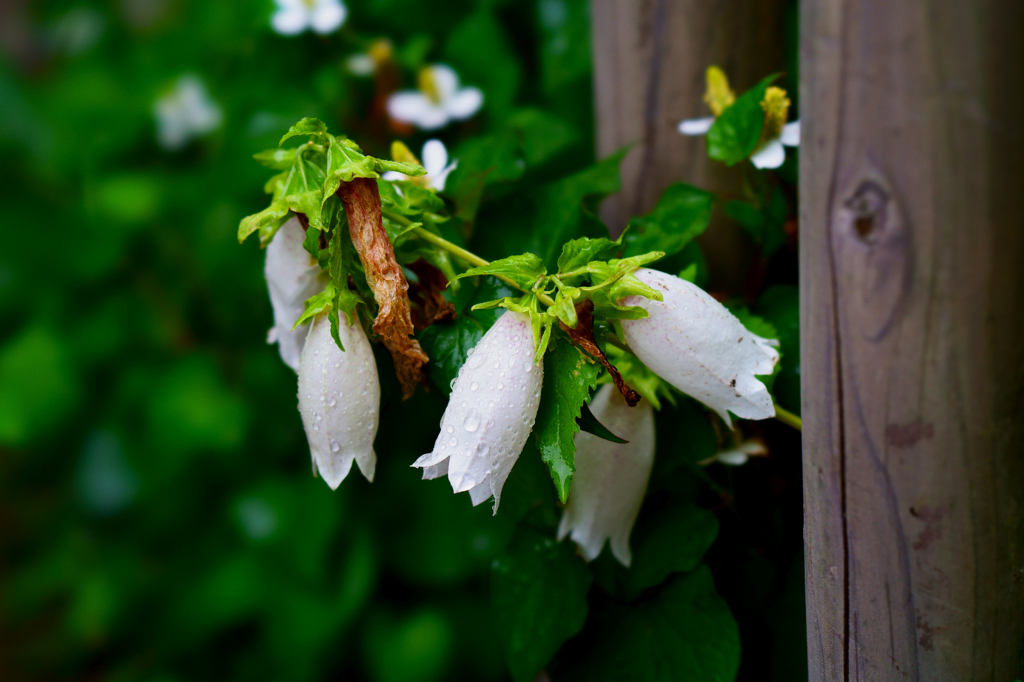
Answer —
277 159
345 162
589 423
670 540
735 134
682 214
686 632
569 378
306 126
539 596
577 253
411 169
448 345
524 269
565 306
339 266
316 304
266 222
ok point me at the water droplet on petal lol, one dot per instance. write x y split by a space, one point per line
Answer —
472 422
473 386
334 446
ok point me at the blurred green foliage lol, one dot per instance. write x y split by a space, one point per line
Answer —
159 518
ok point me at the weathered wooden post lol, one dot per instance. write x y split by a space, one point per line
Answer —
912 269
649 63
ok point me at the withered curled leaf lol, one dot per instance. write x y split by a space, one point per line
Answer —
431 305
386 279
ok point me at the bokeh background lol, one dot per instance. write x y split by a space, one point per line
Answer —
158 516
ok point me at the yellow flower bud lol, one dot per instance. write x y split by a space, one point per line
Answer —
776 108
425 83
380 51
718 95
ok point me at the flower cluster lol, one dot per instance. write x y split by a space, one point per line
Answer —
340 233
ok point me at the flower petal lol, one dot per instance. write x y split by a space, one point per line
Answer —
291 20
696 126
328 16
791 134
610 478
464 103
437 181
491 411
411 106
339 400
361 64
434 156
445 80
771 155
292 277
693 342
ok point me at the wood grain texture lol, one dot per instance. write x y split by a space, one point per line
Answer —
649 63
912 282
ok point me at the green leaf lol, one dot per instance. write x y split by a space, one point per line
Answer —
523 269
681 215
577 253
339 266
277 159
266 222
539 596
569 378
588 422
307 126
39 385
669 541
541 135
316 304
346 161
448 345
735 134
686 632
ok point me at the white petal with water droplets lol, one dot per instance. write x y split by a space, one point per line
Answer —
696 126
611 478
292 277
491 412
339 400
693 342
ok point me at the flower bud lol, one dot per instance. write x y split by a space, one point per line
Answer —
490 413
339 399
292 277
693 342
611 478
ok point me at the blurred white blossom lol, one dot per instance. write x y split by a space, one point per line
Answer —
295 16
490 413
739 454
611 478
435 162
438 99
185 113
366 63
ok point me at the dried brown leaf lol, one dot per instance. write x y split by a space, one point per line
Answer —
583 337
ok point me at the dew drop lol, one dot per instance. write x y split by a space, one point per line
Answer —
453 442
474 362
472 422
473 386
451 429
332 402
334 446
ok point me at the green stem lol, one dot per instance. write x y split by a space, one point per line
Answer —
462 253
788 418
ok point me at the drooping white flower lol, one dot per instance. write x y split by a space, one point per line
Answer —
693 342
438 100
738 455
435 162
611 478
292 277
295 16
339 399
490 413
185 113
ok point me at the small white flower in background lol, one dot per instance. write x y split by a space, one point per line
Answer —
611 478
490 413
76 31
339 399
185 113
737 456
292 277
366 63
295 16
693 342
438 100
776 134
435 161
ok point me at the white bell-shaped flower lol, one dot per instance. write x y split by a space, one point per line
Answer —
339 399
693 342
611 478
490 413
292 277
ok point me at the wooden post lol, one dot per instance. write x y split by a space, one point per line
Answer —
912 287
649 63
